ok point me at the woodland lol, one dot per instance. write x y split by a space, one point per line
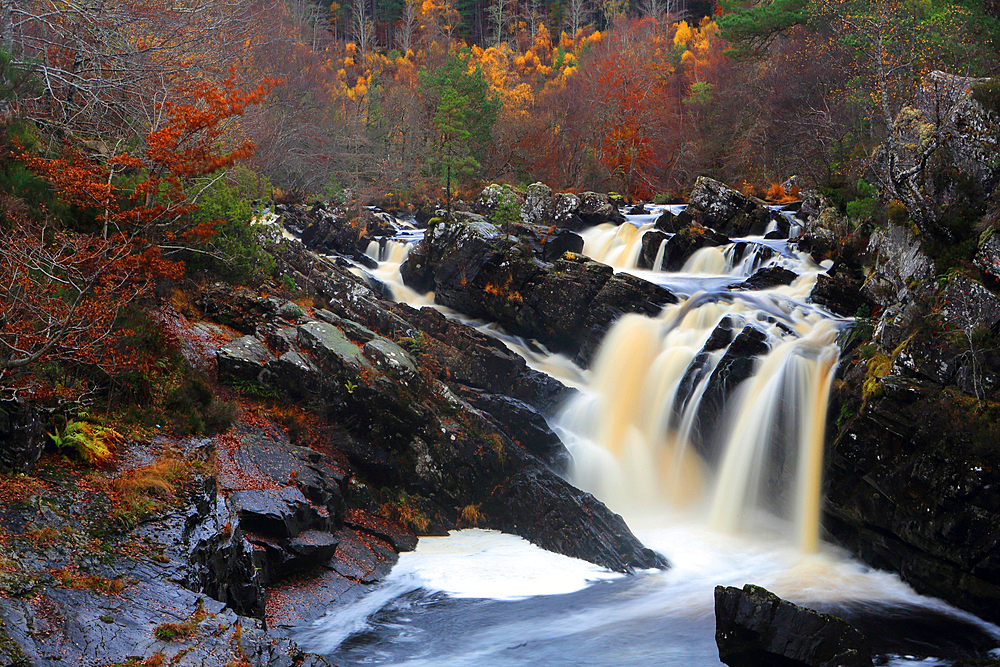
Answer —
139 139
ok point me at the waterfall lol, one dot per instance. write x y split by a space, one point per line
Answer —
619 246
635 434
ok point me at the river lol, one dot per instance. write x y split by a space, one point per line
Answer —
732 503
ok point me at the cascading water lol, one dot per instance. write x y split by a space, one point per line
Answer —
728 490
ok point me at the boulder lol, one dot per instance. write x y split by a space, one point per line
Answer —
725 210
493 195
282 512
22 436
243 359
548 242
755 628
766 278
566 211
537 207
596 209
839 296
670 223
652 241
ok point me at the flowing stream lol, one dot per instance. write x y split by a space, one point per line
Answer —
729 491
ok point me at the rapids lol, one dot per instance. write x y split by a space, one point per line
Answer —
734 500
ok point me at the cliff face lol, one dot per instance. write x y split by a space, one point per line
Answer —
913 465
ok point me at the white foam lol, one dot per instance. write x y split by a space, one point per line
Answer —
477 563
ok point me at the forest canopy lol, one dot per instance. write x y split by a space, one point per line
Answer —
138 138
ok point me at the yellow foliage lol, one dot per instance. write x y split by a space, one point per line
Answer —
683 34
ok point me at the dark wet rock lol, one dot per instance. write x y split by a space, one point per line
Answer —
912 481
682 245
755 628
638 209
782 227
522 424
727 211
65 627
651 243
360 558
736 365
468 357
566 306
410 433
766 278
988 255
282 512
550 243
840 296
622 293
824 227
221 563
243 359
557 516
721 337
22 436
670 223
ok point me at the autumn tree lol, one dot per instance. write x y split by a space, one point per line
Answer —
61 289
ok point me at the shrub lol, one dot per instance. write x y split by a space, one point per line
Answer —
237 251
94 444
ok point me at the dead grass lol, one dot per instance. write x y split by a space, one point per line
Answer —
470 515
70 577
140 492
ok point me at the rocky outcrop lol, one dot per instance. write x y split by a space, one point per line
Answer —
755 628
538 205
278 510
725 210
911 489
911 466
411 435
331 230
567 305
64 605
899 265
988 256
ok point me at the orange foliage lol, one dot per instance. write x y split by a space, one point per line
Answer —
61 292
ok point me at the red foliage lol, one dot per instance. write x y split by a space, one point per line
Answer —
61 292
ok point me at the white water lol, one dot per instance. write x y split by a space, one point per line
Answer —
633 441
